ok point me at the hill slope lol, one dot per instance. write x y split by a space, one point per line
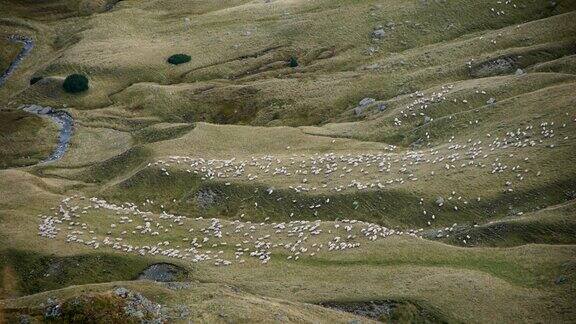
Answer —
397 160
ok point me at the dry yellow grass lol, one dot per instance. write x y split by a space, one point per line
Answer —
237 98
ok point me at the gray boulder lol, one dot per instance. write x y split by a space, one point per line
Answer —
121 292
366 102
362 105
378 33
53 309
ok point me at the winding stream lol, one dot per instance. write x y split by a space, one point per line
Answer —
28 45
65 123
62 118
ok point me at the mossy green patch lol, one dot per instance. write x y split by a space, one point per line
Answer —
37 272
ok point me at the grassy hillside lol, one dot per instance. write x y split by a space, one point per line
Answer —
314 161
25 139
7 53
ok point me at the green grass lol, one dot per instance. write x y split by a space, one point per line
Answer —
25 139
553 225
397 207
240 98
36 272
162 132
97 308
8 52
401 311
75 83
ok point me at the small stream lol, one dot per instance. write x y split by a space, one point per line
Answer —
65 123
62 118
28 45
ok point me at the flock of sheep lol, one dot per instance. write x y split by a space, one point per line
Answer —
129 228
97 223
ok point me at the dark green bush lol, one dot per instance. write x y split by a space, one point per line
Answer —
75 83
179 59
35 79
293 62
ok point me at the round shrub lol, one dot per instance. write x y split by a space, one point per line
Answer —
75 83
293 62
179 59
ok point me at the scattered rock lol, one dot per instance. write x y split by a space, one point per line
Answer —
372 50
53 309
372 309
366 102
378 33
519 72
139 306
389 311
417 144
491 101
24 319
179 311
363 104
206 198
163 272
121 292
499 66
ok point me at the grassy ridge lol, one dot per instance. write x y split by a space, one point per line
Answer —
517 262
554 225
